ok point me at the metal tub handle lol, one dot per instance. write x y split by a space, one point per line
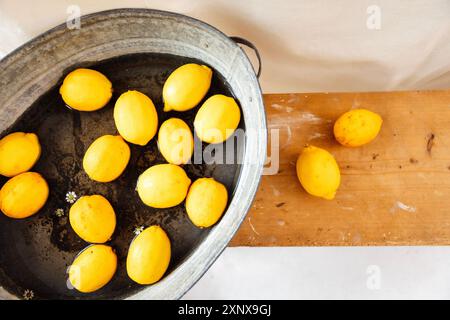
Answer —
247 43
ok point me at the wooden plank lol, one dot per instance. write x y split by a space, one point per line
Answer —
394 191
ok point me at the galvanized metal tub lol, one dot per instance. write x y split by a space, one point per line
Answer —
33 69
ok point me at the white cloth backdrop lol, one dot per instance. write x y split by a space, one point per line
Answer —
307 46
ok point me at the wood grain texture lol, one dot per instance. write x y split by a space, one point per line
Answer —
394 191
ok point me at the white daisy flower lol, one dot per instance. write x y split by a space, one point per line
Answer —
59 212
28 294
138 230
71 197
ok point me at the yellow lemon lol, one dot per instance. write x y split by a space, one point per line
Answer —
86 90
106 158
93 219
23 195
318 172
149 256
217 119
136 117
163 186
186 87
206 202
357 127
93 268
18 153
175 141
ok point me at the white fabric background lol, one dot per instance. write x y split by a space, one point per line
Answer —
306 46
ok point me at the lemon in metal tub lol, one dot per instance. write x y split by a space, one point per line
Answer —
175 141
93 219
106 158
163 186
186 87
136 117
217 119
149 256
19 152
93 268
23 195
206 202
86 90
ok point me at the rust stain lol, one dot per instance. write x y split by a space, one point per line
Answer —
430 143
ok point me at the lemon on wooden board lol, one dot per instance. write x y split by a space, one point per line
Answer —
86 90
318 172
19 152
357 127
136 117
23 195
217 119
149 256
93 219
93 268
175 141
163 186
186 87
206 202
